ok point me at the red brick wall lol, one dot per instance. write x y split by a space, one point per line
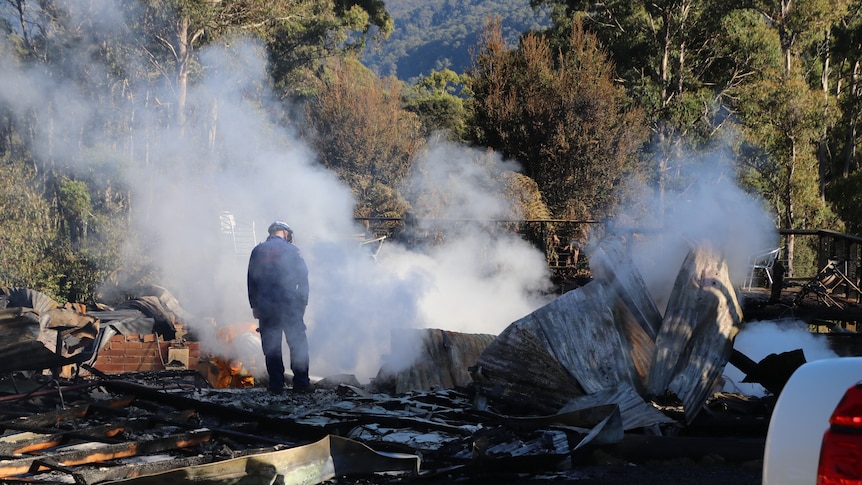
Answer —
139 353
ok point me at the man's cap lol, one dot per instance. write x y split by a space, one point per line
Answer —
279 226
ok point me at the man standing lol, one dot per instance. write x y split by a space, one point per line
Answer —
278 295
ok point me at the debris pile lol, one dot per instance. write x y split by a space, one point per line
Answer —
599 368
166 428
609 338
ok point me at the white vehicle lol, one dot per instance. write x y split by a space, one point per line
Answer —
811 438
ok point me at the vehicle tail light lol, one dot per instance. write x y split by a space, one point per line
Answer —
841 449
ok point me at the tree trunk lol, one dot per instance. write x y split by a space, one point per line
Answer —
822 146
182 71
665 60
788 210
785 35
850 140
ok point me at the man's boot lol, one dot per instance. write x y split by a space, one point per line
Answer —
301 382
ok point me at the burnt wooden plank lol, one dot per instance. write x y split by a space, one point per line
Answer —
16 467
38 439
48 418
275 425
99 474
332 456
640 448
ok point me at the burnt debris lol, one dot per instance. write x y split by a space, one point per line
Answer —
600 371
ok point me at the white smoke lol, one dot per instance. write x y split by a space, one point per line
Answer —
701 203
704 204
478 280
260 171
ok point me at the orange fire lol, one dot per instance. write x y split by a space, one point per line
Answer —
231 372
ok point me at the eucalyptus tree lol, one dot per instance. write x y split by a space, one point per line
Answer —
359 130
845 186
559 114
112 74
664 53
65 94
439 100
787 110
760 68
300 33
26 237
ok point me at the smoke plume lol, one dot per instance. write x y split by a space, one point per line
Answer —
233 158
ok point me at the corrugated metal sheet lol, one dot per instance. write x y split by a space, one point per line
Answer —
598 338
442 358
696 338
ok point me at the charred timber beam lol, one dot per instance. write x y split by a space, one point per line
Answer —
807 314
105 474
318 462
772 372
227 433
12 468
49 418
46 392
44 438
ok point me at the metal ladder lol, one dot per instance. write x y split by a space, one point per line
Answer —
242 234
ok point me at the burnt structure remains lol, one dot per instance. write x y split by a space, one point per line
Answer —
599 371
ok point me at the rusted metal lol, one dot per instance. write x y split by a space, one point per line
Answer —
33 340
611 264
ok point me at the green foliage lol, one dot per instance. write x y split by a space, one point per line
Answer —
27 232
704 71
781 116
361 133
846 51
573 103
561 117
75 207
438 100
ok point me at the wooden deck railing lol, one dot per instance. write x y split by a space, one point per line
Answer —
561 240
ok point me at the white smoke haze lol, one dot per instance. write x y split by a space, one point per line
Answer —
759 339
712 208
702 204
482 277
479 280
472 282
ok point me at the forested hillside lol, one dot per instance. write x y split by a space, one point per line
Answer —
434 34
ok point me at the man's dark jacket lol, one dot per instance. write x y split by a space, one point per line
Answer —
277 278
